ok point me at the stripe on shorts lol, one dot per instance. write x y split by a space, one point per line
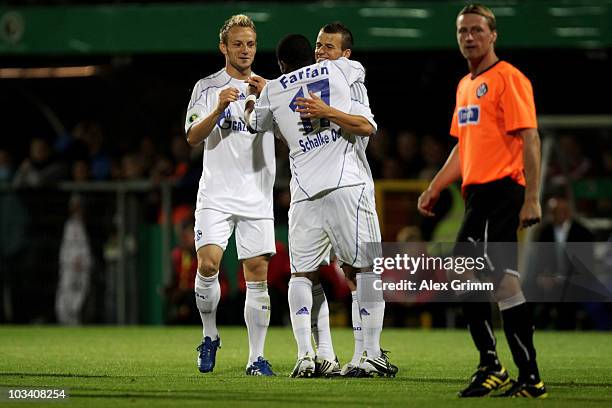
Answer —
357 225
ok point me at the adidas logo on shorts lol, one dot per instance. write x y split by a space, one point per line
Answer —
302 311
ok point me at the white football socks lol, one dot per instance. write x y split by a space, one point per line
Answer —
257 317
372 311
320 324
300 308
207 294
357 330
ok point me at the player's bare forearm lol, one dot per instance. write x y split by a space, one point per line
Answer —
200 131
531 161
449 173
315 108
354 124
531 212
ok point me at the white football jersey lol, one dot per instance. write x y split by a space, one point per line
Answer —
321 157
238 167
360 105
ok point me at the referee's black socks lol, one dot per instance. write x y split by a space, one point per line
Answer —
519 333
477 314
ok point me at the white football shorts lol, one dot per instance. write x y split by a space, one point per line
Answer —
254 237
344 220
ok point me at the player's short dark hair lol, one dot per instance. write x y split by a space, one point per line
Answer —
295 51
338 28
481 10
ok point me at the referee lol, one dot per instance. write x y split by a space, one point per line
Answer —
498 159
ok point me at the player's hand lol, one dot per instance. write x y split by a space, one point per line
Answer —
227 96
256 85
427 200
531 213
312 108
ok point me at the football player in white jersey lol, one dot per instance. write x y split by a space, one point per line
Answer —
328 206
334 41
235 193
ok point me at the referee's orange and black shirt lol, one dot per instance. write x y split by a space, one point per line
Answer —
489 108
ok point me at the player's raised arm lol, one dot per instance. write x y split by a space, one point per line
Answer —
199 130
256 85
257 112
249 105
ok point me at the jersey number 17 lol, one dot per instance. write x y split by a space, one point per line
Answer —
321 86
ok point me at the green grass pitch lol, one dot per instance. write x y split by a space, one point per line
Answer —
151 367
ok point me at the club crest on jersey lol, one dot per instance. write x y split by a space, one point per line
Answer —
226 115
193 118
482 90
224 121
468 115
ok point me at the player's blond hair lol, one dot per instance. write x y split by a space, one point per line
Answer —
481 10
238 20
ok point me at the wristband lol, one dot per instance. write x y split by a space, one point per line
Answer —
251 97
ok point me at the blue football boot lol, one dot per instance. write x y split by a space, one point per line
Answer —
260 367
208 354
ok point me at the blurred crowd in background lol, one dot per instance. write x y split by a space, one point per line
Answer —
85 155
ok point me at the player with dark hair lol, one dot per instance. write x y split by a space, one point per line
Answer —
235 193
346 38
498 158
329 206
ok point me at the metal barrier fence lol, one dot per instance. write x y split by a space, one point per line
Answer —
128 228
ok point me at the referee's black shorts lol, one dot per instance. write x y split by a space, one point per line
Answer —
490 224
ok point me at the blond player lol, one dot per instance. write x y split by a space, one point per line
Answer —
235 194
